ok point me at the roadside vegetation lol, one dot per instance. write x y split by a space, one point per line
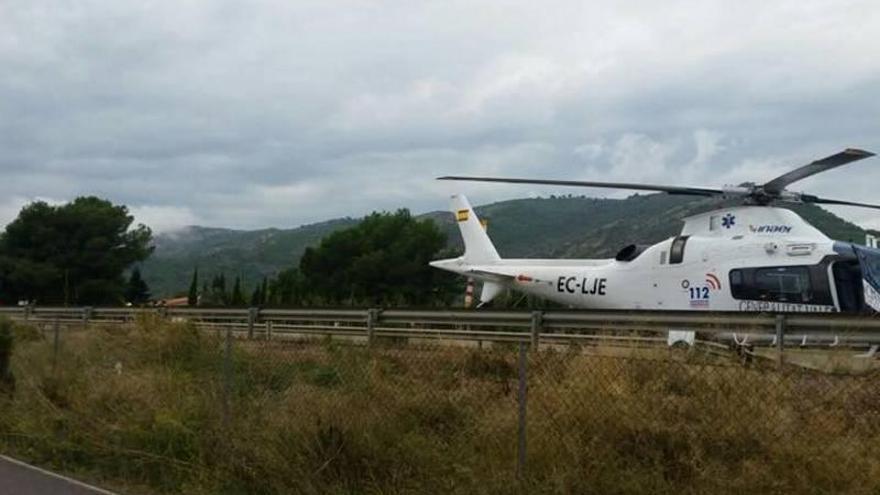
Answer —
155 408
77 253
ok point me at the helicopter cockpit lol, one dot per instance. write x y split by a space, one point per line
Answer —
869 263
848 281
856 276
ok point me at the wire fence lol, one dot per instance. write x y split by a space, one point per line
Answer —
179 407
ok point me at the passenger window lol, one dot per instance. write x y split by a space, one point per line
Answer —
790 284
736 279
785 284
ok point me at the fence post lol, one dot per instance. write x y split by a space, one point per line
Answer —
227 376
521 395
372 317
28 309
269 330
537 324
56 344
780 340
253 314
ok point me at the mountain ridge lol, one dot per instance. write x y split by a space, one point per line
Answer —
551 227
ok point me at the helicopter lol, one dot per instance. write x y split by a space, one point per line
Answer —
753 257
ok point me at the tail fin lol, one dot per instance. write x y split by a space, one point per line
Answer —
478 249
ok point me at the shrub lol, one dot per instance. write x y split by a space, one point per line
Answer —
7 342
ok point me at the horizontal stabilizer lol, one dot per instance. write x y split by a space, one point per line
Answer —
489 292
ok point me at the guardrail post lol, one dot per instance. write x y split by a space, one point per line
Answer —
269 330
253 314
372 319
780 340
537 324
521 396
86 316
28 310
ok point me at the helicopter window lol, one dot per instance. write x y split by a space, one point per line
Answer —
788 284
736 280
676 254
663 255
793 284
713 222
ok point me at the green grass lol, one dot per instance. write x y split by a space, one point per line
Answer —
146 409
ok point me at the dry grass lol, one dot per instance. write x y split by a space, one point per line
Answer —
146 408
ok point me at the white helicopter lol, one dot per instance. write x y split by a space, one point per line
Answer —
754 257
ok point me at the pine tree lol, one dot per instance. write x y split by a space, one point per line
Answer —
137 291
257 297
237 298
77 253
220 295
264 291
193 296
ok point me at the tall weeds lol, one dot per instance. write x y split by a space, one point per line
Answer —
146 408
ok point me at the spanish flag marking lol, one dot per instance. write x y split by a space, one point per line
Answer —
462 215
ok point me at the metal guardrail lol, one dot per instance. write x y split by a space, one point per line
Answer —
534 327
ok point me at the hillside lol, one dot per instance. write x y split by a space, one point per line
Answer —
251 254
577 227
564 227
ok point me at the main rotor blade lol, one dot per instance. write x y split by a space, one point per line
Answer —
689 191
849 155
806 198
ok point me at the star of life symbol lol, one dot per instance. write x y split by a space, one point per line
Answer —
728 221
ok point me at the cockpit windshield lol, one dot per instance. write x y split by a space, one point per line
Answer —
869 262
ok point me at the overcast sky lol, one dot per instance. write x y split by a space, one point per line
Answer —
278 112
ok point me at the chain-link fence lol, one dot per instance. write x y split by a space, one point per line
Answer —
169 407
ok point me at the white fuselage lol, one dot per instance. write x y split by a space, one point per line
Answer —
700 282
747 258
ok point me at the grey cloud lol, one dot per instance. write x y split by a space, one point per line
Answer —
279 113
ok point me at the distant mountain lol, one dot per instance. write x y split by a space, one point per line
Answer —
563 227
251 254
579 227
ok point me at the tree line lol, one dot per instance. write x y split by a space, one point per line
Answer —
383 260
87 252
75 253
